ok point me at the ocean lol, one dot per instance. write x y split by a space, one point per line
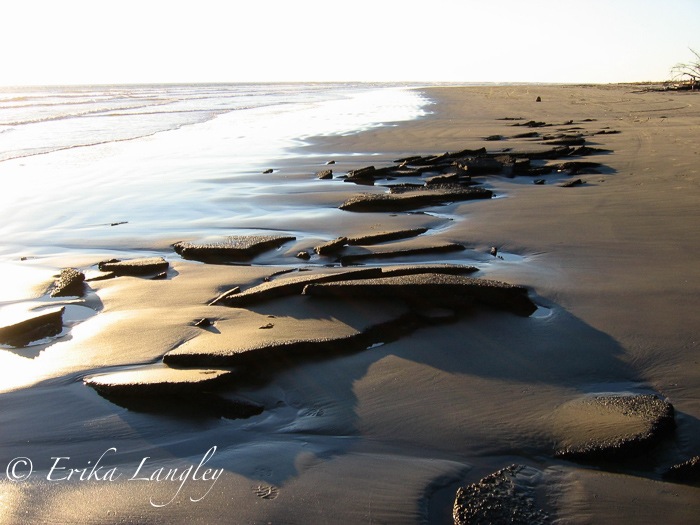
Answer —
128 169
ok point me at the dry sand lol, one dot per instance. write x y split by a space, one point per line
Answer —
387 435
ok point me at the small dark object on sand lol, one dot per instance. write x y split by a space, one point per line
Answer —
538 99
303 255
267 171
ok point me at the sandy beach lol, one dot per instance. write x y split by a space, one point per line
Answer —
378 408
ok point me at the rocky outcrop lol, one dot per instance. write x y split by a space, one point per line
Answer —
69 284
33 328
611 427
156 381
449 269
271 352
376 238
446 247
135 267
506 496
571 183
287 286
409 200
431 289
331 247
161 389
686 472
234 248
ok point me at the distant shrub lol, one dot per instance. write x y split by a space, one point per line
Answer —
688 73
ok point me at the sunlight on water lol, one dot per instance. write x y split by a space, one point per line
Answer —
71 198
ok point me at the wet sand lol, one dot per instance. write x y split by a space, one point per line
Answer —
387 435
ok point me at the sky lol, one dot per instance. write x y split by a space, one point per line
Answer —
49 42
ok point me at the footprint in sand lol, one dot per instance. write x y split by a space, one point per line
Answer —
266 491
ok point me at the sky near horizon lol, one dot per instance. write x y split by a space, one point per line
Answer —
49 42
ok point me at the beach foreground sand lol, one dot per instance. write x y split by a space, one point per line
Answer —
389 434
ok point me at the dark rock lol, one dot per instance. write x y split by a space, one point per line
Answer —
324 174
33 328
532 124
119 223
538 181
403 187
233 248
574 167
330 162
451 269
268 171
346 260
493 251
156 381
506 496
571 183
610 427
267 326
556 152
134 267
288 286
381 202
285 351
521 166
567 141
494 137
160 276
375 238
331 247
538 99
303 255
686 472
442 179
583 151
467 153
203 323
360 181
528 135
362 173
175 391
453 291
69 284
541 170
480 165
